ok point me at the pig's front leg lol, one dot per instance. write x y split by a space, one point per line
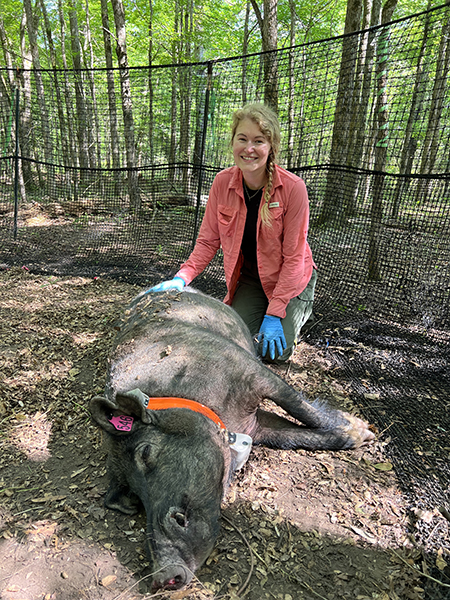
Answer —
324 427
338 431
119 496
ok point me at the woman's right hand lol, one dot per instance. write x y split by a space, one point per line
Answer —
173 284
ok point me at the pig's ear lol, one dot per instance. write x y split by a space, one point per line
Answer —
108 414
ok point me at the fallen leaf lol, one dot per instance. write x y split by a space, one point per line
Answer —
386 466
75 473
180 594
108 580
363 534
375 396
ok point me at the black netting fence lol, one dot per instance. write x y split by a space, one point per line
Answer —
107 172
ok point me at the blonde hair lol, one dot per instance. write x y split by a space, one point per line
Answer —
267 121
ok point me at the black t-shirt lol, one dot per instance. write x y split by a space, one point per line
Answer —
248 245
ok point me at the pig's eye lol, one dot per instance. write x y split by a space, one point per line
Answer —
145 457
180 518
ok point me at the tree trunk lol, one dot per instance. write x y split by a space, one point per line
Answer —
8 90
70 120
434 125
127 107
25 113
150 86
59 102
269 34
185 92
6 53
82 123
44 120
173 105
334 206
409 142
431 144
93 132
114 136
291 93
245 52
381 125
360 102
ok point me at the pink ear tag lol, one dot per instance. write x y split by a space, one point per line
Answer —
122 423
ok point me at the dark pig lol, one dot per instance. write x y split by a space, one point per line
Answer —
183 379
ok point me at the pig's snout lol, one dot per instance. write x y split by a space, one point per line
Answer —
173 573
171 577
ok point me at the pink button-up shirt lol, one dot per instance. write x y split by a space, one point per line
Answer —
284 257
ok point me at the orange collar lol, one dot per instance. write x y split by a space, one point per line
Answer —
163 403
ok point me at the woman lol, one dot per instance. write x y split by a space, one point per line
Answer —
259 214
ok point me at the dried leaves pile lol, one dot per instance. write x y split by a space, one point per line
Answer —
297 525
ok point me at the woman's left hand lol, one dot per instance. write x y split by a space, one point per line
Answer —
272 336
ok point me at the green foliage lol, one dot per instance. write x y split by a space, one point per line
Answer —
215 29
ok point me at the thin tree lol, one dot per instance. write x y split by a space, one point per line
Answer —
410 143
381 146
150 84
81 111
245 40
185 85
32 26
112 112
291 93
68 98
433 131
360 102
173 101
59 102
9 89
268 25
127 105
334 205
94 130
26 130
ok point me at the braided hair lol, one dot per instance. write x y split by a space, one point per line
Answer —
267 121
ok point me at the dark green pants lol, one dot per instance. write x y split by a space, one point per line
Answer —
250 302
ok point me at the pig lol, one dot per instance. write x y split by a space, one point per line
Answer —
181 406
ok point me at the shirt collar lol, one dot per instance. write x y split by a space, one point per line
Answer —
236 181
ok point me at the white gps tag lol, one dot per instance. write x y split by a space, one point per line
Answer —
240 445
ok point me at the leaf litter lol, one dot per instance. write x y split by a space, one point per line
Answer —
296 524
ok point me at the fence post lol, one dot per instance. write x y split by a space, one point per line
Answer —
202 152
16 166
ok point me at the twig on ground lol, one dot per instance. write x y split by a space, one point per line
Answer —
419 572
252 552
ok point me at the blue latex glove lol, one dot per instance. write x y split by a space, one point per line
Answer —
272 336
173 284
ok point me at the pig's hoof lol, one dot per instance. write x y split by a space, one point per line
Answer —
124 503
358 432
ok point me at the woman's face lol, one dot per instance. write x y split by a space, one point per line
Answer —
251 149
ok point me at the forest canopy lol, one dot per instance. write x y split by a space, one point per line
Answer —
71 34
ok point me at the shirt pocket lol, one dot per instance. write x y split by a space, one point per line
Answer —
275 228
227 219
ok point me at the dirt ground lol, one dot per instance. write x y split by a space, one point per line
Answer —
296 524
